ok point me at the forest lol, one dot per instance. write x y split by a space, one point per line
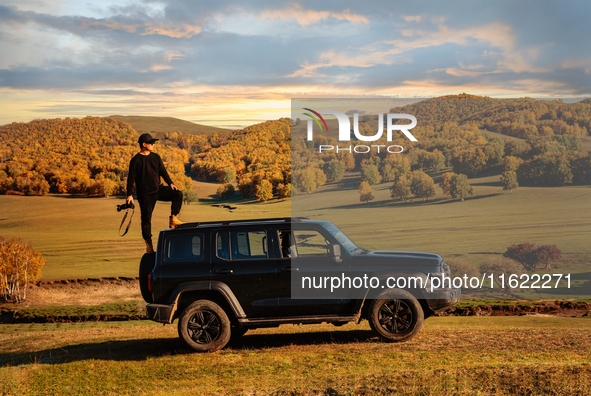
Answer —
542 146
87 156
90 156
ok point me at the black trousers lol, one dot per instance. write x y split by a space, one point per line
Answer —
148 202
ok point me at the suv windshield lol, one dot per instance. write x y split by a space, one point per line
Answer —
340 236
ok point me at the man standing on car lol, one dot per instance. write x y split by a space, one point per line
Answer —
145 170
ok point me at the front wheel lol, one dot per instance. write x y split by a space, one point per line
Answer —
396 317
204 326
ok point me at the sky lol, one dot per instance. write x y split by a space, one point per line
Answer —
236 63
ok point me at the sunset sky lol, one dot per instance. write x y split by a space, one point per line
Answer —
235 63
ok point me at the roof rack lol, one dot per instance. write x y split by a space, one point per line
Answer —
226 223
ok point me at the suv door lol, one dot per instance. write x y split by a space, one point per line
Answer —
242 260
305 252
182 258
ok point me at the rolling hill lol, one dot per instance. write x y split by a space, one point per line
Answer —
161 125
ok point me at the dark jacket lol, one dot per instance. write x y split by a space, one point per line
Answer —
145 172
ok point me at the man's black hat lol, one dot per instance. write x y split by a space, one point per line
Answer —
147 138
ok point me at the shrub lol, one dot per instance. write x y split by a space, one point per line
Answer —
19 266
530 255
499 266
460 267
225 191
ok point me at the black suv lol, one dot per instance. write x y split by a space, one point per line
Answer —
222 278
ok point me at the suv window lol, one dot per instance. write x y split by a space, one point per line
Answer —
184 247
242 245
309 243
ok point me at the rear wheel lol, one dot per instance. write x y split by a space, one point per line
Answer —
396 317
146 266
204 326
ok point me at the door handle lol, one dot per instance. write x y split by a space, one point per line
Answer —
224 271
290 269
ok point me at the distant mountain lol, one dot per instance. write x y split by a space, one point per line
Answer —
161 125
587 101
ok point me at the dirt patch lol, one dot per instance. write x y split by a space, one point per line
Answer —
77 300
45 299
86 292
544 308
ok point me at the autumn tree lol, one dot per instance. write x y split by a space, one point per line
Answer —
509 181
430 161
20 265
305 180
401 188
190 196
511 163
459 186
445 182
546 170
334 170
469 161
531 254
264 191
284 190
394 166
422 185
366 193
370 173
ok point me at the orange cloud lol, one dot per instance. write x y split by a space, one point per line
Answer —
308 17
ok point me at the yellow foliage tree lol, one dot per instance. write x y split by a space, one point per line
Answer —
19 266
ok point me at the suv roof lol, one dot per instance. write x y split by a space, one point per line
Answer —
229 223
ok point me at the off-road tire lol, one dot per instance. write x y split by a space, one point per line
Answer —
146 266
204 326
396 316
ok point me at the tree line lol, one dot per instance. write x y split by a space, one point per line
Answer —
255 161
452 133
88 156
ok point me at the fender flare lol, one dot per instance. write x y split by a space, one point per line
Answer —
217 286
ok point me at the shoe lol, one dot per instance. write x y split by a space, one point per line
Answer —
174 221
149 246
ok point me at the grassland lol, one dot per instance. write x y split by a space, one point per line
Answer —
461 355
451 356
78 236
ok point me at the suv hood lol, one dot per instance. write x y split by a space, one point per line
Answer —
405 254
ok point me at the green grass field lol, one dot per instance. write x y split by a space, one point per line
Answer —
451 356
489 221
78 236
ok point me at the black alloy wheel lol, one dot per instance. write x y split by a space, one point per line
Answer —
204 326
396 317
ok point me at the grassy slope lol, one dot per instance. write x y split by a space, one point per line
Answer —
458 356
489 221
79 238
167 124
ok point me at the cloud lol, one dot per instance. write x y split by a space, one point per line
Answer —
307 17
81 25
413 18
170 52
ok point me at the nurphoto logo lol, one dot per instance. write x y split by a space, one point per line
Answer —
345 130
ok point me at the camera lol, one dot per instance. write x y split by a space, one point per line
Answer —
125 206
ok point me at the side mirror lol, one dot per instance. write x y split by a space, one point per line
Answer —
334 252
